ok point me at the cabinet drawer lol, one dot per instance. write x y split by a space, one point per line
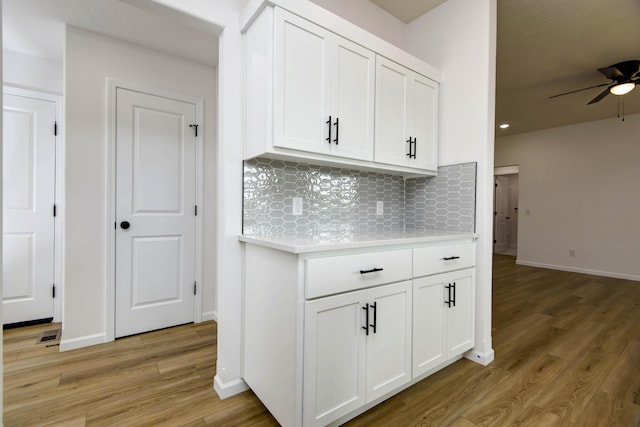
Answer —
439 259
332 275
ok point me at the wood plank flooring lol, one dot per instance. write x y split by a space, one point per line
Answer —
567 354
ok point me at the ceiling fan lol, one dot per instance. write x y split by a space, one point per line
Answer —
624 77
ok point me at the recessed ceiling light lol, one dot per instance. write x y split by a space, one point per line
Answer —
504 126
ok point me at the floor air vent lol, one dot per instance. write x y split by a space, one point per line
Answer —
49 337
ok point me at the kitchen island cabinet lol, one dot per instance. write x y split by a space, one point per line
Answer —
331 330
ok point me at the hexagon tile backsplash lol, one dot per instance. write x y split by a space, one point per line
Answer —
344 201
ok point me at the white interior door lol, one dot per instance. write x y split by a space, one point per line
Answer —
501 214
28 198
155 203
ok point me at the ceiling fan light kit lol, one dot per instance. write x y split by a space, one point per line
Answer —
624 76
622 88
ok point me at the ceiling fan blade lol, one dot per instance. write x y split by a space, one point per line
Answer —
599 97
579 90
622 70
612 73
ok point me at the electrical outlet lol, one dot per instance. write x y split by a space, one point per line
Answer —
296 206
572 252
379 207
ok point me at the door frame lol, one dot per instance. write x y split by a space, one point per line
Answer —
58 199
112 86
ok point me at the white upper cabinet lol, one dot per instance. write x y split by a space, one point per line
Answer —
302 84
406 123
315 96
352 99
324 91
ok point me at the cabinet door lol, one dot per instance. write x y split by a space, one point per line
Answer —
352 99
428 324
389 340
301 90
460 330
423 121
334 357
392 83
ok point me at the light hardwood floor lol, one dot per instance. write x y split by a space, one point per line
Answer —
567 354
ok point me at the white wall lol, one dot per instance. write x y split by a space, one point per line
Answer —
369 16
32 72
580 185
459 38
91 59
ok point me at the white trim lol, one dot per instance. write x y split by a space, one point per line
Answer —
482 358
506 170
112 86
58 191
209 315
200 204
229 389
614 275
80 342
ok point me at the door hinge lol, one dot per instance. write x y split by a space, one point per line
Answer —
55 128
53 290
194 288
54 210
195 127
195 210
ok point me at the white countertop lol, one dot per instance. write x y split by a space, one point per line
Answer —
336 241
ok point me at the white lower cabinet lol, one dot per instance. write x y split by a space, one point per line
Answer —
357 348
443 318
329 334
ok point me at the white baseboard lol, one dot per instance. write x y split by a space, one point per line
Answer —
80 342
209 315
230 388
579 270
482 358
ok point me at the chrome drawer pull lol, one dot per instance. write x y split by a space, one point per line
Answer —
373 270
450 258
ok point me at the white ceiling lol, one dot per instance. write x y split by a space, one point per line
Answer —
545 47
36 27
407 10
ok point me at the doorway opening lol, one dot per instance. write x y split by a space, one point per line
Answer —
505 213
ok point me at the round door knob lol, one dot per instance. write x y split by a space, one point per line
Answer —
125 225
